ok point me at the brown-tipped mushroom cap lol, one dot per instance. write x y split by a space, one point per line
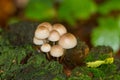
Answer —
47 25
42 32
60 28
68 41
54 36
37 41
56 51
46 47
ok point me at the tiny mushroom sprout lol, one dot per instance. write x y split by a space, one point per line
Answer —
57 51
46 24
68 41
60 28
46 48
42 32
54 36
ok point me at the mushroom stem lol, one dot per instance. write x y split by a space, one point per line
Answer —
62 56
54 43
48 56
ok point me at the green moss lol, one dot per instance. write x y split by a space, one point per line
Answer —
25 63
99 53
15 65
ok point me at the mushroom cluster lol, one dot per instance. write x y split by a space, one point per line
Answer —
45 34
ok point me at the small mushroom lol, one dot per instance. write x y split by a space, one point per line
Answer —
60 28
46 24
37 41
46 48
57 51
68 41
54 36
42 32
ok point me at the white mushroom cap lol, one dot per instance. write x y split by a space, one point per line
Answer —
60 28
42 32
68 41
47 25
37 41
46 47
56 51
54 36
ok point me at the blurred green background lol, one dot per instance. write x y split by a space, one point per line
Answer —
95 21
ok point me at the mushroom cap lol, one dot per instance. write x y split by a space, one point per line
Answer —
42 32
37 41
47 25
46 47
57 51
54 36
60 28
68 41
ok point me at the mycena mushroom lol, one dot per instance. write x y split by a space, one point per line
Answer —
60 28
46 24
42 33
54 36
68 41
46 48
56 51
